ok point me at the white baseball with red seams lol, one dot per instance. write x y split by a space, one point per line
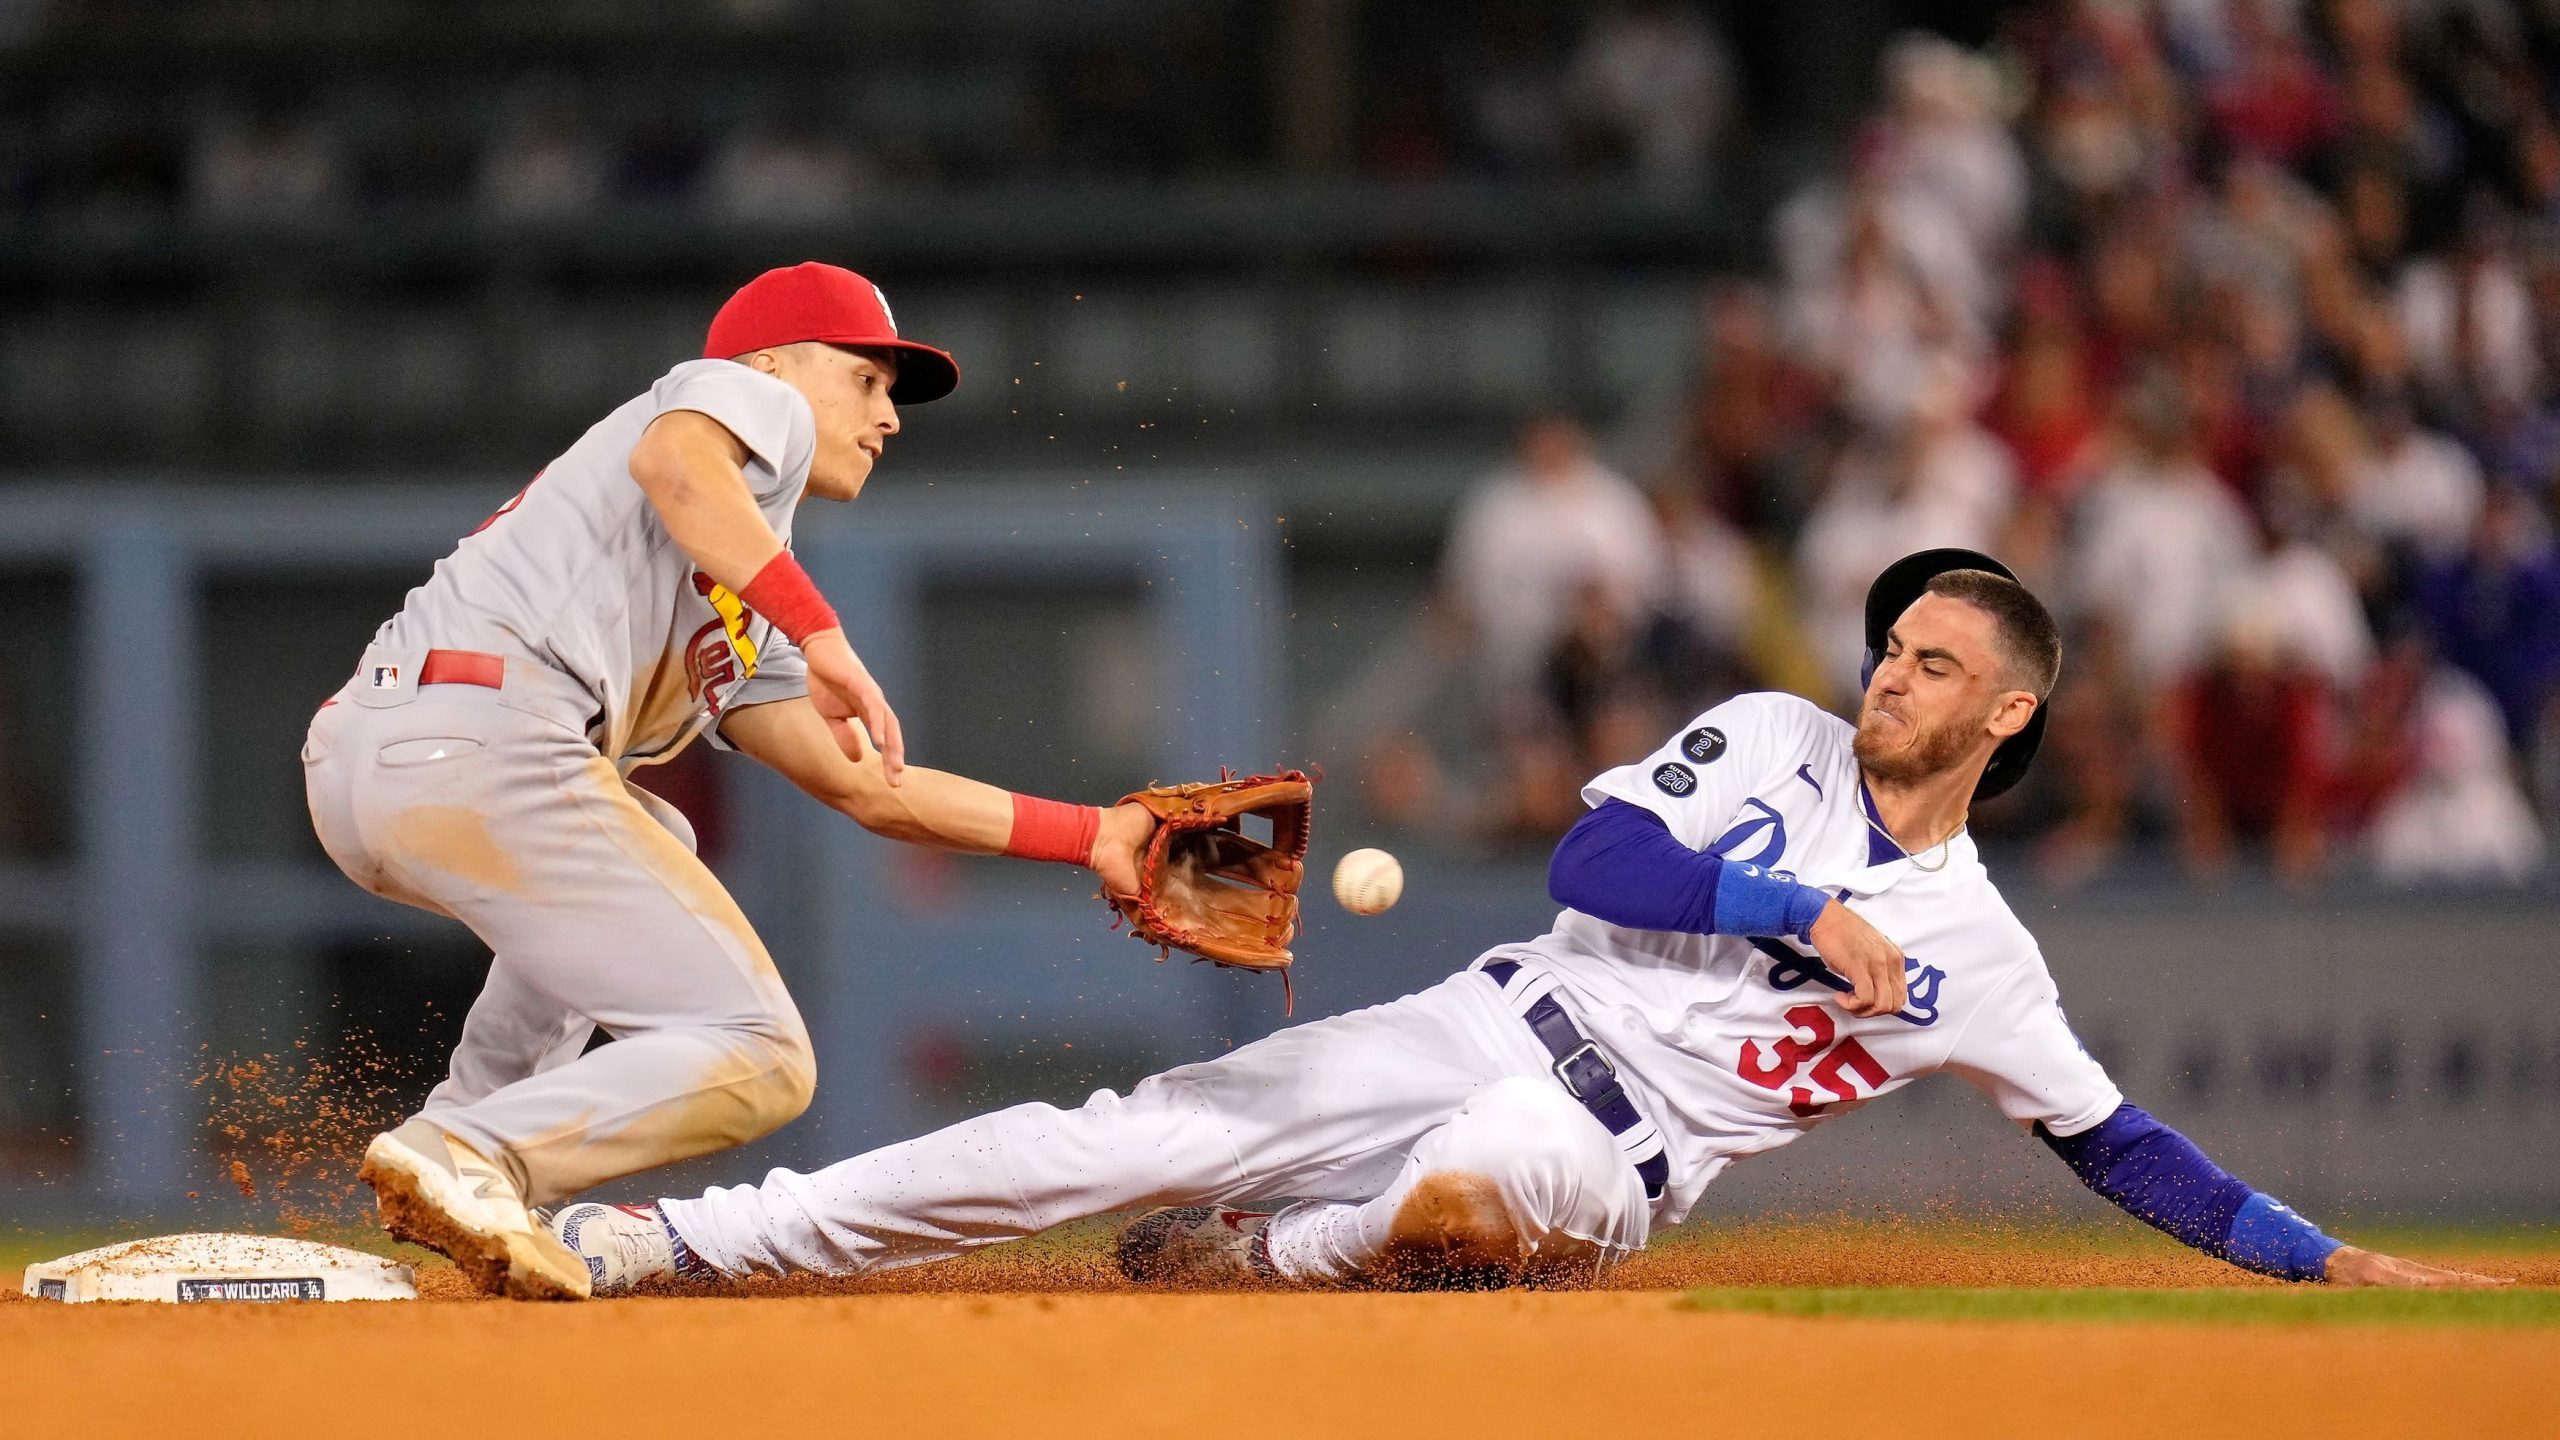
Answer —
1368 882
1727 1045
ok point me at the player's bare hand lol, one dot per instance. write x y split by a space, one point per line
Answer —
1125 832
1860 954
844 692
2351 1266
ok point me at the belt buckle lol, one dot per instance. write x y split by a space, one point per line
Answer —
1565 1062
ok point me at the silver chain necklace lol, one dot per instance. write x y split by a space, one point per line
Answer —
1942 847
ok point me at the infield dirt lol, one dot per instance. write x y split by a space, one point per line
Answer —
1042 1340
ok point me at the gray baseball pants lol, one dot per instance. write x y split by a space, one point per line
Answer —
491 806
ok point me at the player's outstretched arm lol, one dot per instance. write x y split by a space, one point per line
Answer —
1621 864
2160 1178
693 470
936 807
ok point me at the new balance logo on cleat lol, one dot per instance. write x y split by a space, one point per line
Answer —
436 1191
624 1246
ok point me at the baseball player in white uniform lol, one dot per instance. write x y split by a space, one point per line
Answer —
640 593
1770 921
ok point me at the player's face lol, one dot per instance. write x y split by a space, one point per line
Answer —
1939 699
848 393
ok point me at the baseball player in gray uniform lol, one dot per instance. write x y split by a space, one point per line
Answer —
640 593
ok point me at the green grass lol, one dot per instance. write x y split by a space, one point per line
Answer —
2291 1306
2106 1235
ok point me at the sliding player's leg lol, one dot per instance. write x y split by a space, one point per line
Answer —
1331 1109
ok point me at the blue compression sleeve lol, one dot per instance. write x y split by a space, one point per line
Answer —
1621 864
2160 1178
2266 1236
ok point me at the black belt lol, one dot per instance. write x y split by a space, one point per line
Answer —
1585 1073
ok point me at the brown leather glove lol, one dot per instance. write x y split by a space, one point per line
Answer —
1206 887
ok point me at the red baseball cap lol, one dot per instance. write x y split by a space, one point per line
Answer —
811 301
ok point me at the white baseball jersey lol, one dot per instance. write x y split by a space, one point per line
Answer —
578 573
1729 1043
1730 1046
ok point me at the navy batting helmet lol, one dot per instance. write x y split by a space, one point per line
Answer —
1906 580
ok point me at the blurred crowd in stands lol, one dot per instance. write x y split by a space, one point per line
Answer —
1638 90
2233 327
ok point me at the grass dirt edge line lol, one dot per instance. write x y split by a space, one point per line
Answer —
2302 1305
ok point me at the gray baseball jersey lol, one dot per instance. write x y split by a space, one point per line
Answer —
490 805
578 573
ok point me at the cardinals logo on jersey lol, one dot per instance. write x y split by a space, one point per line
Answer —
721 653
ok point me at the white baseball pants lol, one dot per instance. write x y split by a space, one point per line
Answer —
1359 1110
491 806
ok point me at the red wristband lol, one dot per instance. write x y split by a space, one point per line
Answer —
1053 830
783 593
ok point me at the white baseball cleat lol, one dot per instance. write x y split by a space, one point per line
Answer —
624 1245
1199 1245
434 1190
